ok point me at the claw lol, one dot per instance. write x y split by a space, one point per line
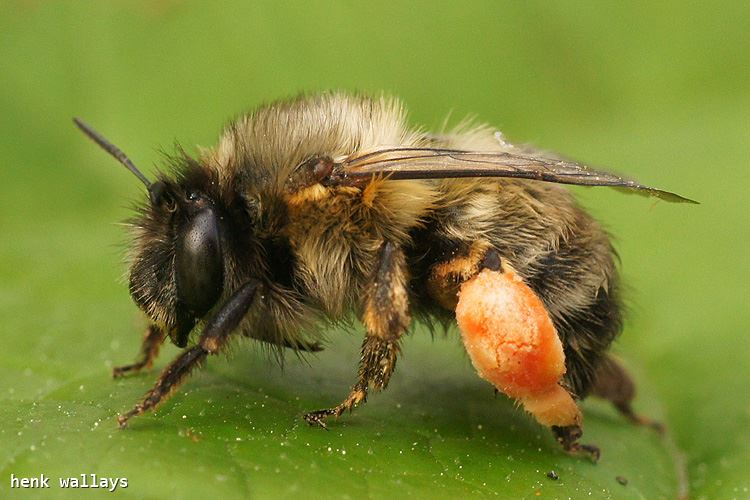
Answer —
121 371
317 418
568 437
657 426
627 410
592 450
122 421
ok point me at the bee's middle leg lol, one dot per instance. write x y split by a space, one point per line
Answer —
386 317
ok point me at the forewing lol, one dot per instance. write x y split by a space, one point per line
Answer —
430 163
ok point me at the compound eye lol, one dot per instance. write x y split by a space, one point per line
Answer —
160 197
199 270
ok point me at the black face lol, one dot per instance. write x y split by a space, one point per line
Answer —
188 264
199 273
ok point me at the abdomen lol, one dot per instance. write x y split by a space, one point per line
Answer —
559 250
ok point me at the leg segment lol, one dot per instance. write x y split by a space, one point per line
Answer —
386 317
614 384
213 338
149 350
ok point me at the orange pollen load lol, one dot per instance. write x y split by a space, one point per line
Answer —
513 344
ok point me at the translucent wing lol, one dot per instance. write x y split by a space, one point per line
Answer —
431 163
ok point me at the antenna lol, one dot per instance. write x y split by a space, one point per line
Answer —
113 150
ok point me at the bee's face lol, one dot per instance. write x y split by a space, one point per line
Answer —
177 272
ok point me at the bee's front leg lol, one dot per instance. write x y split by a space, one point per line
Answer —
386 317
149 350
213 338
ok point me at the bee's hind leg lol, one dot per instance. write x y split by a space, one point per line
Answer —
386 317
513 343
568 437
613 383
149 351
213 338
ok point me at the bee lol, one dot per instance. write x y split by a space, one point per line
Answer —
312 208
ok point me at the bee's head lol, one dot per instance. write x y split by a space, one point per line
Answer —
177 269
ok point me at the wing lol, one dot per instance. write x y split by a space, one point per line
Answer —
431 163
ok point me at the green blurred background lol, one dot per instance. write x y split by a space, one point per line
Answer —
658 90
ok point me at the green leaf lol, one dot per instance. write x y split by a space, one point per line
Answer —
236 428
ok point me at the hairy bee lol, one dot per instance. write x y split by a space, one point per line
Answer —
314 207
